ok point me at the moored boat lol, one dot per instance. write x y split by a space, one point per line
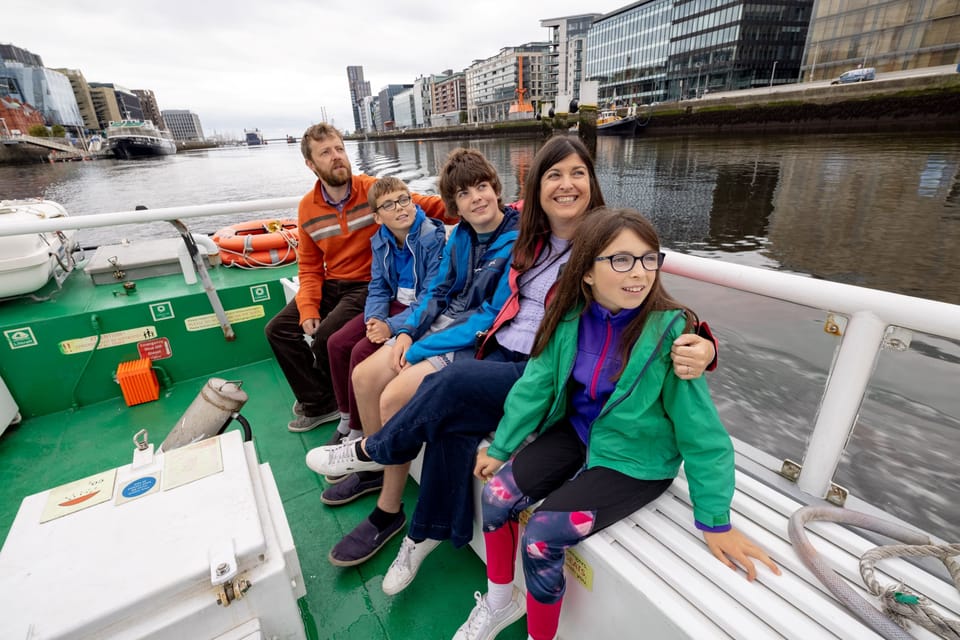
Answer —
253 137
130 139
654 561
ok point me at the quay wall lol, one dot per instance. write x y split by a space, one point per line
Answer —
904 104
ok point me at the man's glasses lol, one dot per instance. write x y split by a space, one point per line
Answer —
390 205
624 262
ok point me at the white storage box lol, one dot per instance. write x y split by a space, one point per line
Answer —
145 568
140 259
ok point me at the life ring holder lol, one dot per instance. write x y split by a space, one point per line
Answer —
258 243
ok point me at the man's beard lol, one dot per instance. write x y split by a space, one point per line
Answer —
332 179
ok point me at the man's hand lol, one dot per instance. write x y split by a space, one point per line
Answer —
691 355
398 361
377 331
311 326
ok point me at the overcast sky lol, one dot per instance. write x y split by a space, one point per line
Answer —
274 64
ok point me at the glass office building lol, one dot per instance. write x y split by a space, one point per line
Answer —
678 49
627 53
890 36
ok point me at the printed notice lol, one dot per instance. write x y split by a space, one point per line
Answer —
186 464
579 568
107 340
209 321
133 488
73 497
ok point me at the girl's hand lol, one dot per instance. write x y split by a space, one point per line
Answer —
377 331
398 359
691 356
486 465
733 545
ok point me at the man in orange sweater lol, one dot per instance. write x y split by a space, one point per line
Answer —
335 226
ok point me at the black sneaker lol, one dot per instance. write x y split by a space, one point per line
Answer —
351 488
363 542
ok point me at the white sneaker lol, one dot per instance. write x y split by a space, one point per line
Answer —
484 624
405 566
339 459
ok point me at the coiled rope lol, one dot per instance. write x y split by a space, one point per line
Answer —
899 604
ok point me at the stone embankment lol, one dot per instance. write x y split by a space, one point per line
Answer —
903 104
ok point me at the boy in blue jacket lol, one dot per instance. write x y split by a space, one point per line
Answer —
406 258
463 300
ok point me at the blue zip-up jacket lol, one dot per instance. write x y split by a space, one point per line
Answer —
425 242
485 281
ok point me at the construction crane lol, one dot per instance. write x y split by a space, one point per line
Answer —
520 105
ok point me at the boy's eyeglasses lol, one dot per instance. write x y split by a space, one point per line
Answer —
390 205
624 262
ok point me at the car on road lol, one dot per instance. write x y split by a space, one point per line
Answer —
856 75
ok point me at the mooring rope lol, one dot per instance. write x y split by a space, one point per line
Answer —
901 605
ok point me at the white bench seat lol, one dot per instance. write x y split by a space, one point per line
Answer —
651 576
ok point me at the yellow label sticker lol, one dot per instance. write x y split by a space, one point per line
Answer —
209 321
107 340
579 568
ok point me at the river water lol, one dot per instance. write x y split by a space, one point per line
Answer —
874 210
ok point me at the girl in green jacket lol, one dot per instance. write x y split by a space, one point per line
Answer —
613 427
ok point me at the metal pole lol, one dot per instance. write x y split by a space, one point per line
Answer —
773 72
698 79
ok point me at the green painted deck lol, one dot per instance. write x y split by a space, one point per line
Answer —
57 442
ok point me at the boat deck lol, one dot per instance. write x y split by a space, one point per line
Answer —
57 448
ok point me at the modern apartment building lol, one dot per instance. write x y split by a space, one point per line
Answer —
105 105
148 104
565 64
359 89
127 102
890 35
81 93
182 124
448 98
404 109
492 84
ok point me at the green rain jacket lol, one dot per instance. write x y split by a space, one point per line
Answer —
651 422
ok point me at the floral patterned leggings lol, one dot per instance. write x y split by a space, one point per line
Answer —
577 503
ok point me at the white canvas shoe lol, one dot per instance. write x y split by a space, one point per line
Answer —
484 624
339 459
405 566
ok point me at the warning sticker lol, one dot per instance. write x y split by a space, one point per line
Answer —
195 461
579 569
156 349
113 339
209 321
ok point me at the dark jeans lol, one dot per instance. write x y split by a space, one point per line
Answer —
451 412
348 347
307 368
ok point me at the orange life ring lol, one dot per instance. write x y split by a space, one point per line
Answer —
258 243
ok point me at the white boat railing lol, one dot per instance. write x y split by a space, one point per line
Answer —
875 318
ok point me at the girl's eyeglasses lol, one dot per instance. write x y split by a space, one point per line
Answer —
624 262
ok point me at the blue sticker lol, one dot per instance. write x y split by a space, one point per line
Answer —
138 487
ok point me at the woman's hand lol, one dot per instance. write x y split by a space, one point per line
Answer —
486 465
398 359
732 546
691 356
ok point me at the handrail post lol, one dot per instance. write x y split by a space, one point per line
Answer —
215 302
841 402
